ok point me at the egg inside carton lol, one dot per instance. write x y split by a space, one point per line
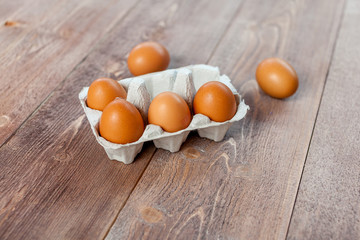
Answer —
141 90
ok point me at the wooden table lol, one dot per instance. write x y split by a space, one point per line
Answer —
290 169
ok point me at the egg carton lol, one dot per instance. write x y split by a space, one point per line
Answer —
142 89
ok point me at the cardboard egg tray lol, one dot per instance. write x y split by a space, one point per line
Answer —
142 89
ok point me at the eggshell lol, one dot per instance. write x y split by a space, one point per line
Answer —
215 100
277 78
169 111
148 57
121 122
141 90
102 91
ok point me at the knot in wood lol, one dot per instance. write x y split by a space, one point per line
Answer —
192 153
151 214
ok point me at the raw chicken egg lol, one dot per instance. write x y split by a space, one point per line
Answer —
102 91
215 100
121 122
148 57
169 111
277 78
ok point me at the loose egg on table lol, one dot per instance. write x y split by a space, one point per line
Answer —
148 57
215 100
102 91
169 111
277 78
121 122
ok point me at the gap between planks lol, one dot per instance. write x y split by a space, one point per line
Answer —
127 198
317 112
238 10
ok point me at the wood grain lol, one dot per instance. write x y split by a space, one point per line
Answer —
245 186
56 181
327 206
8 8
40 44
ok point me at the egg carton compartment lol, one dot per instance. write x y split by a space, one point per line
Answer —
141 90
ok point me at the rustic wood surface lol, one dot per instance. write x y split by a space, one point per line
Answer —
245 186
41 42
65 168
328 203
290 169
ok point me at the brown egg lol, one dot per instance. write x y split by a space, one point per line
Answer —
277 78
215 100
169 111
148 57
102 91
121 122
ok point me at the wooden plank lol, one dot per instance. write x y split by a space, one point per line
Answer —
245 186
40 44
8 8
327 206
56 181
